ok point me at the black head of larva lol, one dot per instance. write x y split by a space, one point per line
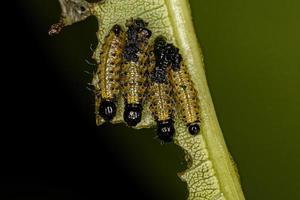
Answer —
117 29
194 128
107 110
132 114
165 130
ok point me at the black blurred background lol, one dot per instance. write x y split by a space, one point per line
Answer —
51 148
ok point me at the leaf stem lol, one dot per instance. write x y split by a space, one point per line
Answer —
180 17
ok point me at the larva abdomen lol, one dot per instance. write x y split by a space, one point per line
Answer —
186 98
108 74
161 102
161 107
134 82
184 91
134 70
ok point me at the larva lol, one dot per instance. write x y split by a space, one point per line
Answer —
106 79
184 91
161 102
134 70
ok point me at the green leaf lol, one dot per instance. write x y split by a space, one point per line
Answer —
211 173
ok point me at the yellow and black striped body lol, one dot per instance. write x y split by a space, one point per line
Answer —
186 97
134 70
161 107
184 91
161 101
134 82
108 73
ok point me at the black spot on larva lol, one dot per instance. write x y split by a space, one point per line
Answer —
107 110
132 114
183 87
194 128
146 33
117 29
140 23
160 43
165 130
82 8
130 52
159 73
173 56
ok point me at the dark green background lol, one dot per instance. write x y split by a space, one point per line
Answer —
251 51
